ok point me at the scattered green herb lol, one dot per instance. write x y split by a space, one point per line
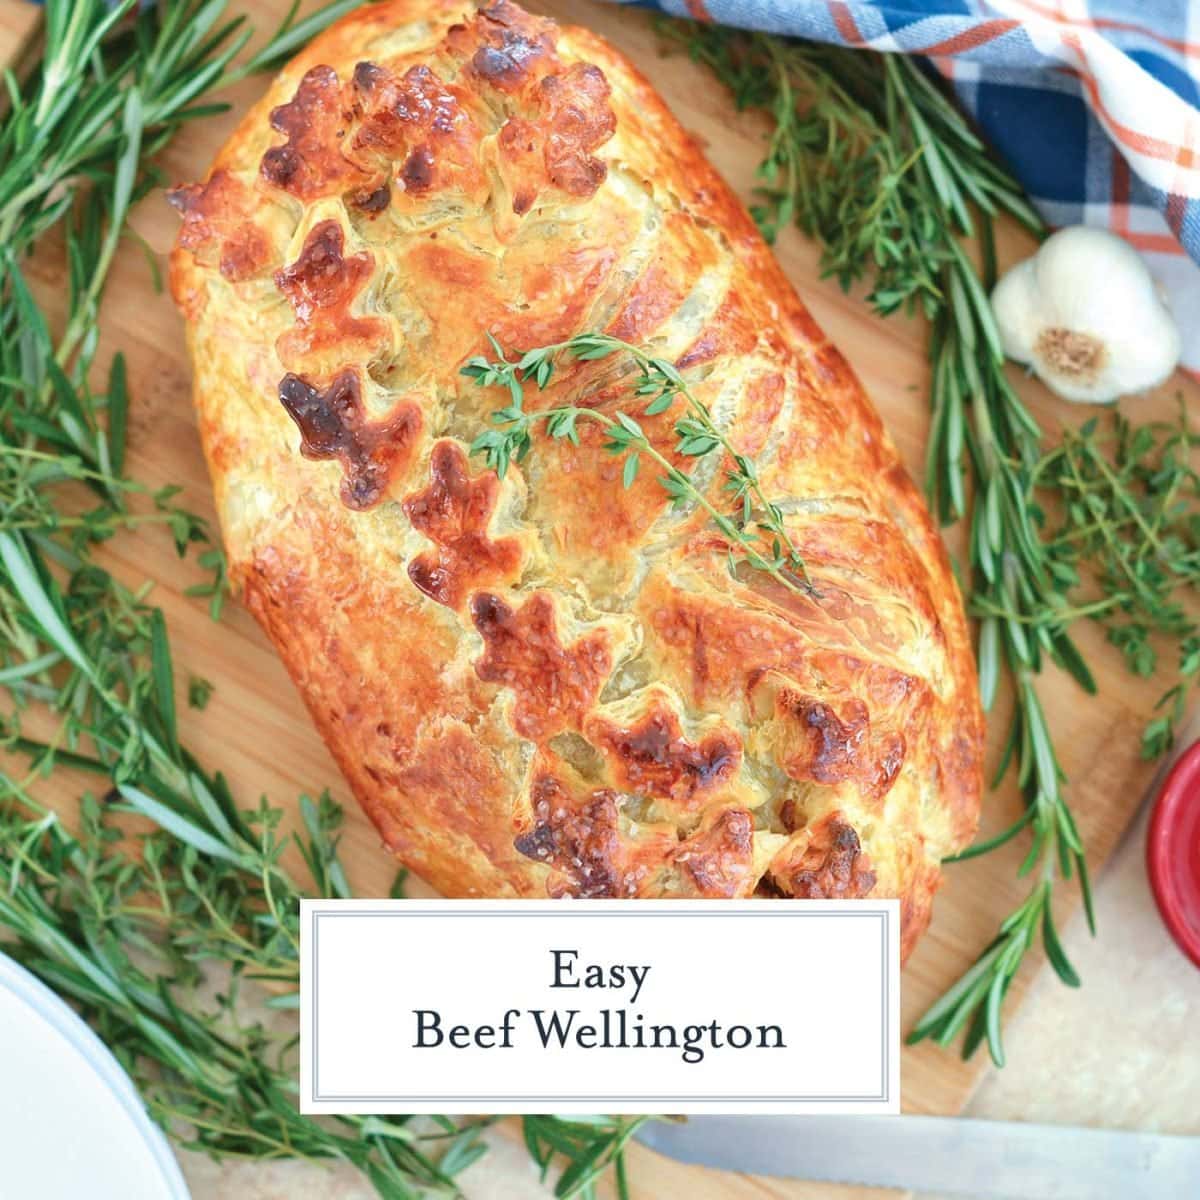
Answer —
1128 499
199 693
131 934
867 156
216 589
129 928
589 1145
753 526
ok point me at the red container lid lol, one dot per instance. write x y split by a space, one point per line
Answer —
1173 852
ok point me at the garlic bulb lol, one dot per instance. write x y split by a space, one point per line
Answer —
1084 313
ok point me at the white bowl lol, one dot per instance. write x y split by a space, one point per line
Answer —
71 1122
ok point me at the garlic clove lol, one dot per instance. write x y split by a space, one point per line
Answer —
1017 309
1084 313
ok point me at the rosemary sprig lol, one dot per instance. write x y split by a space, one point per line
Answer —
754 527
867 155
115 84
128 929
589 1146
128 934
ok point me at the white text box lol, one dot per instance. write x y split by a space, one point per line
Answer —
415 1006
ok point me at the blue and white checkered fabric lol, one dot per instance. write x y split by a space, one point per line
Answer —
1095 104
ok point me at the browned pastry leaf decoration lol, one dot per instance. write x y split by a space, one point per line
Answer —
653 758
215 214
583 843
311 163
454 511
718 860
551 684
827 864
321 277
505 44
575 119
321 285
415 125
333 425
831 749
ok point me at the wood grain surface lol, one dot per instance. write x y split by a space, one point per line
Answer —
20 24
257 732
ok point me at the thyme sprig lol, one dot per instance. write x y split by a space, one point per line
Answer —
140 932
1128 539
754 525
867 155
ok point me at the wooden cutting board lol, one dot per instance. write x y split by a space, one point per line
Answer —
256 730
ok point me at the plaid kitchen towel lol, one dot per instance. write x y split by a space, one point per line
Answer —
1095 104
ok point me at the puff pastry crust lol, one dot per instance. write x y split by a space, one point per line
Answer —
551 685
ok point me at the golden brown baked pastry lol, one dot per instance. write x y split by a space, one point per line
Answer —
549 684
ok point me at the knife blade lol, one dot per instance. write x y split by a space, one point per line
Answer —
988 1160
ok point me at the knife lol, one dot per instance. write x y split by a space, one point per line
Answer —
989 1160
